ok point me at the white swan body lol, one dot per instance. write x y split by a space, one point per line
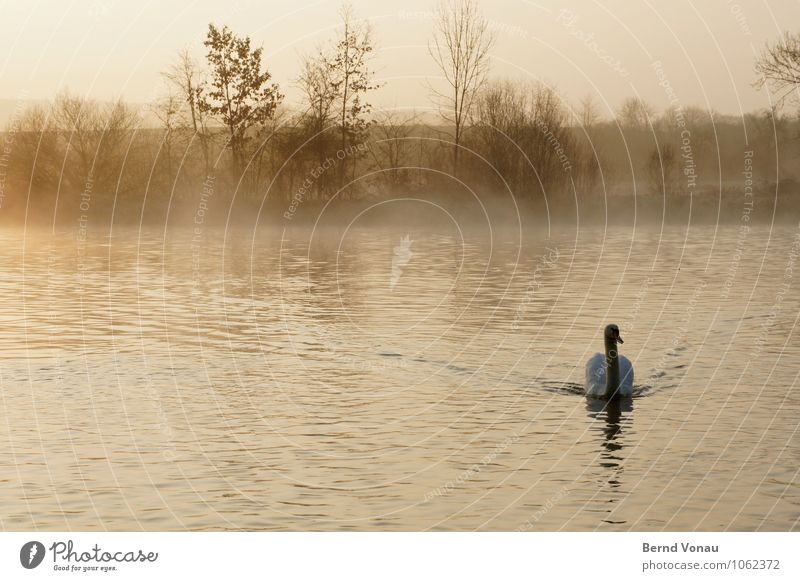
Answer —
596 376
610 375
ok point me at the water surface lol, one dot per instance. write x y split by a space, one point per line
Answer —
356 379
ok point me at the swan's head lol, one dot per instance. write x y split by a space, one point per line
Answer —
612 334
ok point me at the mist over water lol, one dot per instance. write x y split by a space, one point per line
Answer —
399 377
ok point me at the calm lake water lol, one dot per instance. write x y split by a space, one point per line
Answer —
359 379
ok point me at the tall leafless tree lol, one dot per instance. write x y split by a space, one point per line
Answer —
317 118
351 79
587 148
317 87
185 77
460 46
168 110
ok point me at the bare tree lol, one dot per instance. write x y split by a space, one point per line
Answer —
589 113
351 79
779 66
95 140
36 147
550 140
502 129
77 120
391 146
319 94
587 148
662 168
460 46
634 113
266 159
168 110
185 77
521 129
317 86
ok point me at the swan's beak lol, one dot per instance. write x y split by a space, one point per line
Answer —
619 339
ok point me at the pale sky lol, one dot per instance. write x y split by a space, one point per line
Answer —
606 48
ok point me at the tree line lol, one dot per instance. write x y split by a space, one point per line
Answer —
225 117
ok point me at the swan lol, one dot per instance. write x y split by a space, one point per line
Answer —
618 380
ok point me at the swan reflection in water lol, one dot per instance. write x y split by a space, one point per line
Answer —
616 413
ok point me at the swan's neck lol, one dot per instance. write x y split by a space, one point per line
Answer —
612 369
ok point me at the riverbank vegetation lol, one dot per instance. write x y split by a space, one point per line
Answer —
223 138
